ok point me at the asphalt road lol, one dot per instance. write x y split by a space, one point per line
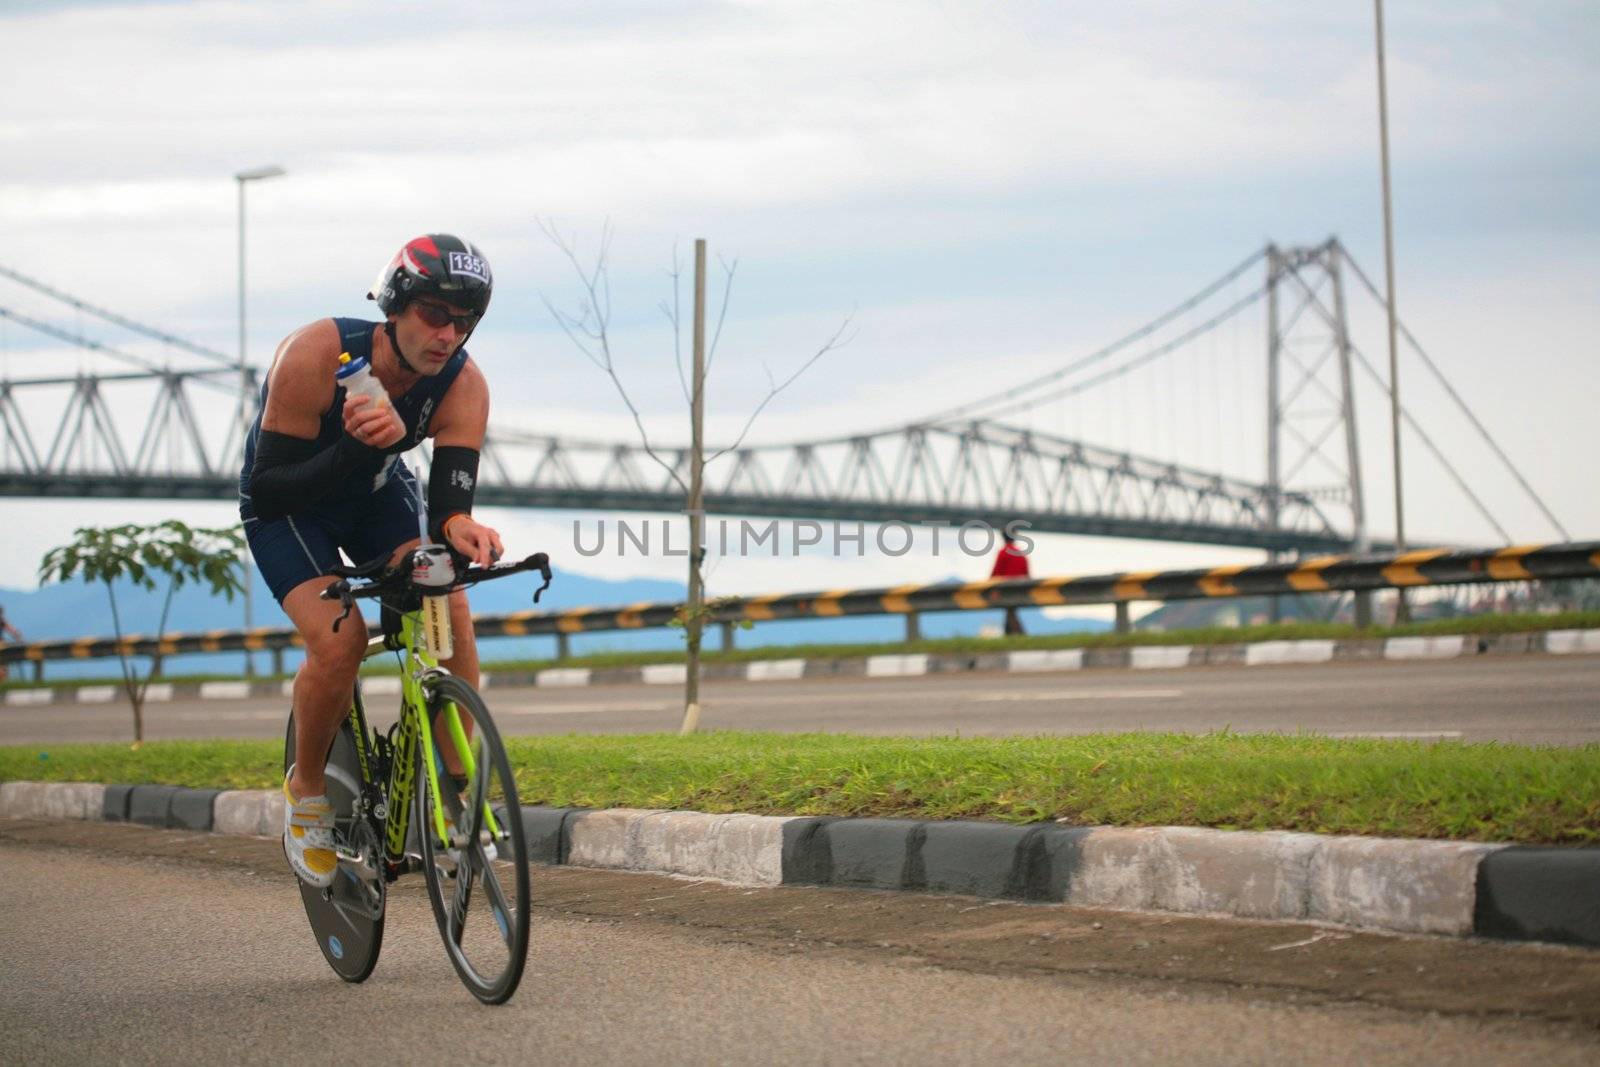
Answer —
1550 700
122 944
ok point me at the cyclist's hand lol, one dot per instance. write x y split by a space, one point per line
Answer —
474 540
377 427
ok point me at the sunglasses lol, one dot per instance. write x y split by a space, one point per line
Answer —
438 317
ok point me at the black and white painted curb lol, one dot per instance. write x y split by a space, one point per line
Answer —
1404 886
1135 657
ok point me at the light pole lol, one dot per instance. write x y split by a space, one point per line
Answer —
244 177
1402 610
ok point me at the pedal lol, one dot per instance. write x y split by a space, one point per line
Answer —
410 865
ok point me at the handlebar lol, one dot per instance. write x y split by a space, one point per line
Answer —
398 579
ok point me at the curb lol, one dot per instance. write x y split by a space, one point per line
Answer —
1127 657
1456 888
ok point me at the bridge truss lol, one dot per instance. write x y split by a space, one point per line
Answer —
153 432
63 438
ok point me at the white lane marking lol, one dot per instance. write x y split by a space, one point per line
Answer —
1396 735
220 715
1312 940
729 701
1095 694
501 710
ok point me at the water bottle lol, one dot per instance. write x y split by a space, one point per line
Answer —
431 567
358 380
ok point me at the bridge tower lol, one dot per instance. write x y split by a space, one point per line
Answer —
1310 394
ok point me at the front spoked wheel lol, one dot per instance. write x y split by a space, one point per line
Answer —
477 874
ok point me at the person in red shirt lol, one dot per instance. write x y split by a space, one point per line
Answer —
1011 563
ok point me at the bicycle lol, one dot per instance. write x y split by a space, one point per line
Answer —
461 825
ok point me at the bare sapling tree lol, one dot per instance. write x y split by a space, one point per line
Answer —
172 549
589 330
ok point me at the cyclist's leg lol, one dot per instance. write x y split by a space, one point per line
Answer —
322 687
388 525
294 554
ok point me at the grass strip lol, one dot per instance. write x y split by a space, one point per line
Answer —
1211 635
1447 790
197 764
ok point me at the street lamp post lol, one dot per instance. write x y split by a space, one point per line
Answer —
245 177
1402 609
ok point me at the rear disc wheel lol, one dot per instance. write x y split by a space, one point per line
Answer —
347 917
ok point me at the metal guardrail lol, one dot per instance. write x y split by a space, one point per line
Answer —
1427 567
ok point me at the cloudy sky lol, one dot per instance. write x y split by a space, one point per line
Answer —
993 189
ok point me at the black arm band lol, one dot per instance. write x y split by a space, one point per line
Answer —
290 472
450 484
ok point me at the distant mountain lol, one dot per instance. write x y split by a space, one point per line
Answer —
78 609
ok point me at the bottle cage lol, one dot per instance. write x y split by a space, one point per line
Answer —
390 611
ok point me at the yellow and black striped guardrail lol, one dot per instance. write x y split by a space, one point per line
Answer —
1424 567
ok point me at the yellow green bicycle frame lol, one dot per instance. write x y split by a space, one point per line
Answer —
414 731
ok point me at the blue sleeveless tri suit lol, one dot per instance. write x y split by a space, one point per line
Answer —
372 511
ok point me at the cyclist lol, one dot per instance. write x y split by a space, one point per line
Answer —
322 472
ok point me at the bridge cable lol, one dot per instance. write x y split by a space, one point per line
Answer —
1437 454
1109 350
1138 361
73 339
113 317
1462 404
204 375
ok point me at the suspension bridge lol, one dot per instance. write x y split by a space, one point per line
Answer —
167 426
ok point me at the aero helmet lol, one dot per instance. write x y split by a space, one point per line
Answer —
439 265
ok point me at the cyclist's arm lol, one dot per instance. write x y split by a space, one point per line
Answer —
463 414
458 432
290 471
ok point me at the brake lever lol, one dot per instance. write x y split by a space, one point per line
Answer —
342 589
542 563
